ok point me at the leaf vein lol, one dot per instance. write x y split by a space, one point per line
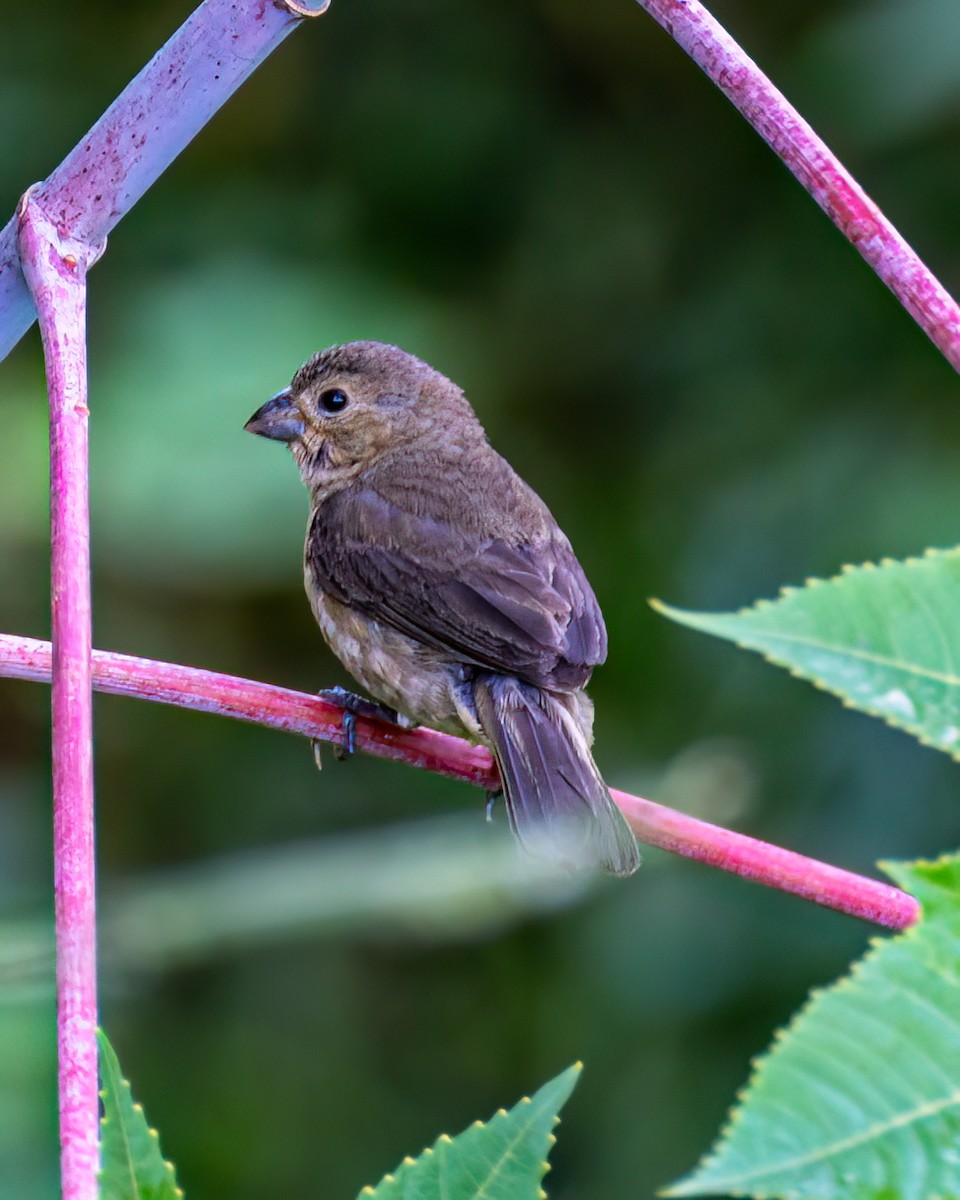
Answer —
903 1120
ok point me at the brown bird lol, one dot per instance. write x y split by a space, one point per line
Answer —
446 588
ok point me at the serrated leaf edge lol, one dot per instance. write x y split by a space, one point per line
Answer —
445 1139
760 1063
902 726
690 620
137 1107
911 561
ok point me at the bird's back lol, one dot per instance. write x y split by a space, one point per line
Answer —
447 543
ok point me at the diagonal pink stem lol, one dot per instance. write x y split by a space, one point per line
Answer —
55 271
815 167
773 866
296 712
192 75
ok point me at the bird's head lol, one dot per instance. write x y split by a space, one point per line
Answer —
350 405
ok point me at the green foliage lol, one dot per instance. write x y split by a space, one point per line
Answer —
885 639
860 1098
504 1159
131 1165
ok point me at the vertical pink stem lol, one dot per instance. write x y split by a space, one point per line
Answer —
55 270
816 167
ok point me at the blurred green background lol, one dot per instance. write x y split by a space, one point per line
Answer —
308 976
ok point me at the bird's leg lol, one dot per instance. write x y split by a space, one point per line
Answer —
355 706
492 798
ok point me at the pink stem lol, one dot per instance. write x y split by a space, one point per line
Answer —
192 75
55 270
770 865
296 712
815 167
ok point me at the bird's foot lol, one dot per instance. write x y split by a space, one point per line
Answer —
492 798
355 706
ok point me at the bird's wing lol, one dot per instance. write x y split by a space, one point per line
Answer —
522 609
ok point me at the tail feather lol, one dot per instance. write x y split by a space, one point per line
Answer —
557 802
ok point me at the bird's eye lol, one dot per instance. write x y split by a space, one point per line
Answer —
334 400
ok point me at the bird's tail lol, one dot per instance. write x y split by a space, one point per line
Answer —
558 804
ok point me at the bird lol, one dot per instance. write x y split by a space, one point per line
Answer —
446 588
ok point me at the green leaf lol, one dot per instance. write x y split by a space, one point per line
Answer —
860 1098
503 1160
886 639
131 1165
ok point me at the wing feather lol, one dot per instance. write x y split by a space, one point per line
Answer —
524 609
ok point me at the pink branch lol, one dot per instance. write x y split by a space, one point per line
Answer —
296 712
772 866
55 271
816 168
146 127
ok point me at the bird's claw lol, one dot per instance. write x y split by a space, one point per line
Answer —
492 798
316 747
353 706
348 747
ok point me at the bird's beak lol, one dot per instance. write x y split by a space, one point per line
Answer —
279 419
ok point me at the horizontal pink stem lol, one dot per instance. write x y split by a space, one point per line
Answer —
297 712
815 167
260 703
